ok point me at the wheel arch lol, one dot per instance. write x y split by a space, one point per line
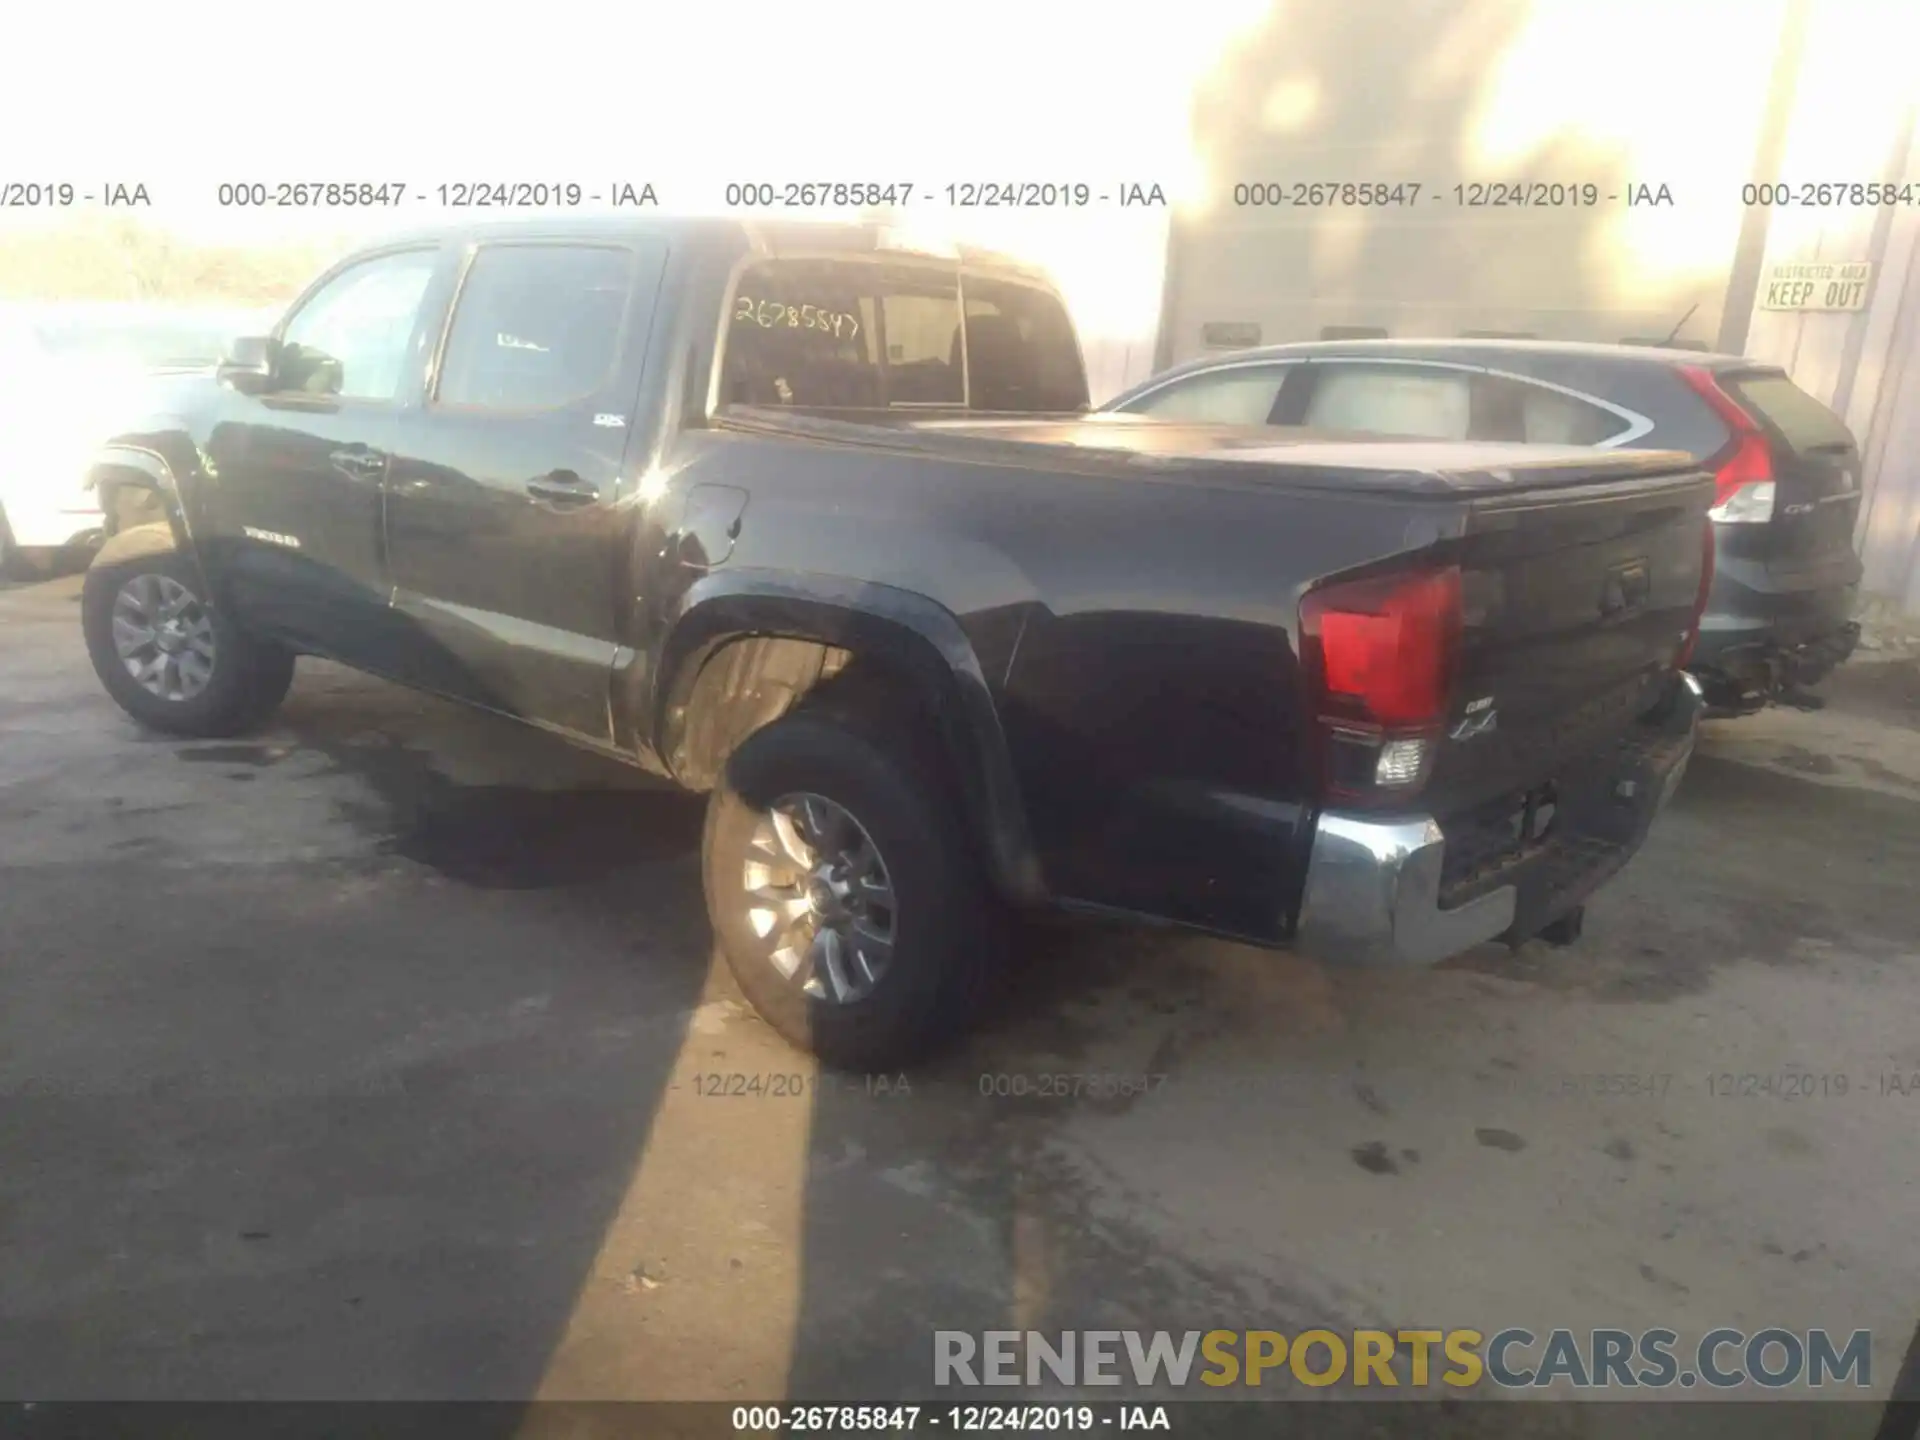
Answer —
120 470
748 648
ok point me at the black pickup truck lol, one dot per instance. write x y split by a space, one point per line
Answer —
818 524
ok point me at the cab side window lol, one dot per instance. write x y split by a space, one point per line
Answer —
1244 395
353 338
536 327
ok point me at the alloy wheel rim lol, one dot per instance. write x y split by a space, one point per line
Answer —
820 896
164 636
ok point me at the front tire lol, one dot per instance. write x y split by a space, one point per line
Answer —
845 894
170 658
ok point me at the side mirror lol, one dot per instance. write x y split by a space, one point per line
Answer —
248 366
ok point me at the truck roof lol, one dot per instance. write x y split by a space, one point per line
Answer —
769 237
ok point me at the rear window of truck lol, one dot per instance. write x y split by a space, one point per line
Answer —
841 334
1802 421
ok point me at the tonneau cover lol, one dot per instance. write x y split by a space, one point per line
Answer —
1237 454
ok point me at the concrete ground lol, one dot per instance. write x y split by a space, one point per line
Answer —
374 1057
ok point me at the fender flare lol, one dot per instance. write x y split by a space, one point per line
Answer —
118 465
918 638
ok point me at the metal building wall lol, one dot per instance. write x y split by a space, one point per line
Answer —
1886 415
1472 93
1392 89
1865 364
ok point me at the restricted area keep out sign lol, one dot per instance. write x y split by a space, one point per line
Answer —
1817 285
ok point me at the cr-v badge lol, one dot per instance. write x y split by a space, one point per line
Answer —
1479 719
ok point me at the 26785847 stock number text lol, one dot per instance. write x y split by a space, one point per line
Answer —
1004 1085
813 194
900 1419
454 195
310 194
1824 194
836 1419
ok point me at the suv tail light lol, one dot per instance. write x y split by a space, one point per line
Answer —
1380 656
1685 652
1743 470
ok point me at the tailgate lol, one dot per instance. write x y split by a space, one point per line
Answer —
1575 606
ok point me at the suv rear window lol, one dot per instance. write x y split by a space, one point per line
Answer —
857 334
1803 421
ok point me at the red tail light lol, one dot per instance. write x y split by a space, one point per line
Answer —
1744 465
1685 652
1380 656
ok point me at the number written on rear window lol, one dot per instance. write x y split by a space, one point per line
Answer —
842 334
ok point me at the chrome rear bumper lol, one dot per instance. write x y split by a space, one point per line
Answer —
1373 891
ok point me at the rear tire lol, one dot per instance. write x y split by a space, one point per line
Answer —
918 965
170 658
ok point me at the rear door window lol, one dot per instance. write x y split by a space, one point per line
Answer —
1402 400
1802 421
1242 395
537 327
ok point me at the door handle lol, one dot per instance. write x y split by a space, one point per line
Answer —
359 462
563 487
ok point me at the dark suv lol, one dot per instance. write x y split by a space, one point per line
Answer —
1786 468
